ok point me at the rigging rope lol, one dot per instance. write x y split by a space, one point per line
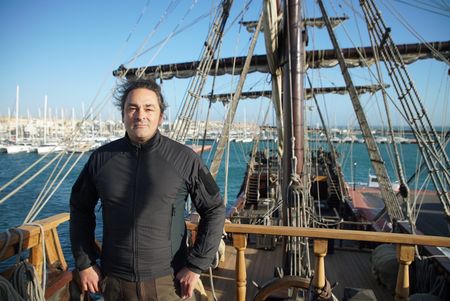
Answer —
167 39
210 101
175 33
192 96
41 194
427 4
22 173
27 181
214 168
342 189
416 34
404 190
429 144
391 201
170 8
32 217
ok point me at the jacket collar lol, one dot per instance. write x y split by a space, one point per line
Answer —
147 145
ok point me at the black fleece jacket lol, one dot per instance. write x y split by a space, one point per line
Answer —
143 190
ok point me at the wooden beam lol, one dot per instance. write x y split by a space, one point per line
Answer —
381 237
30 234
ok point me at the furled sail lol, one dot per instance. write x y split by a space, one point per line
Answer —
314 59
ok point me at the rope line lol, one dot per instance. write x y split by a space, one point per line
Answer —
24 284
44 255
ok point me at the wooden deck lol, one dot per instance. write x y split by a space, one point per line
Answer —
353 269
348 268
431 219
260 269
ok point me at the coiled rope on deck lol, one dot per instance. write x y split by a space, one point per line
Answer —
25 282
7 291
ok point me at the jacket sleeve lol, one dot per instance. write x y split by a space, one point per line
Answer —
205 195
83 199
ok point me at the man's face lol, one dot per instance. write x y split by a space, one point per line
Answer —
141 115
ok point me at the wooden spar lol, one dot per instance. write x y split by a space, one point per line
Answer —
311 22
215 165
297 53
309 93
314 59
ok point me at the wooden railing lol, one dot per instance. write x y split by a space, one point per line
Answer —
32 240
405 246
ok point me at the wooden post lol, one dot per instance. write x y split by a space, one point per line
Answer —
36 258
320 251
405 255
240 244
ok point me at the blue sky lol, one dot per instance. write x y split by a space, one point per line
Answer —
68 49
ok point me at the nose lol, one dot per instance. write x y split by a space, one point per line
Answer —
139 114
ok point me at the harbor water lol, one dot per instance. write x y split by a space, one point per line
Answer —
14 210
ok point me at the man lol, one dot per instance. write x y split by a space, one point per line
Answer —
143 181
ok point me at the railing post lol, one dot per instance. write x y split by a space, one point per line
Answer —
240 244
320 251
36 257
405 255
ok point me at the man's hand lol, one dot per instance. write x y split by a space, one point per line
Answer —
188 280
90 279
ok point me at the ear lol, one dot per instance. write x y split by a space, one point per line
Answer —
161 119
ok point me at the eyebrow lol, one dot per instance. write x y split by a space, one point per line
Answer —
145 105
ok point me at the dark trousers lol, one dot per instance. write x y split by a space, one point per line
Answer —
164 288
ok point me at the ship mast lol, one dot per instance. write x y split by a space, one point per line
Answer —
295 193
293 91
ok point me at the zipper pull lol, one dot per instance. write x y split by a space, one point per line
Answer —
138 148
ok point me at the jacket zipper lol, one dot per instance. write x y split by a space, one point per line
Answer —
135 249
171 222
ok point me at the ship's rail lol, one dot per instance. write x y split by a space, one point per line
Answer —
405 249
31 239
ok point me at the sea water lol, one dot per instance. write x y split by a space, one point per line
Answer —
14 210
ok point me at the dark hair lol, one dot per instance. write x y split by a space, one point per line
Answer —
122 91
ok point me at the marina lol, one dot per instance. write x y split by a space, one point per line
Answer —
35 132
